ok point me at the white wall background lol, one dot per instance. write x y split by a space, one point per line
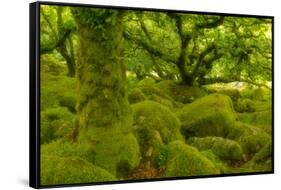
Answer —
14 53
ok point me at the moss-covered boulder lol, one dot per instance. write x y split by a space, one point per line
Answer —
154 125
185 160
51 65
261 94
180 93
146 82
58 91
244 105
70 170
251 139
225 149
69 101
211 115
262 161
136 96
221 165
165 102
261 119
63 148
248 105
114 149
55 123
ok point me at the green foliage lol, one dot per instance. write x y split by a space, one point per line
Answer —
187 161
210 115
70 170
224 149
55 123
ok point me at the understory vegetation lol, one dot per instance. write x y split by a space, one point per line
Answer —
129 95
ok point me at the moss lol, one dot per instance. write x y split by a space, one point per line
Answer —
64 148
264 154
244 105
251 139
211 115
55 89
233 93
51 65
225 149
115 149
136 96
70 170
262 161
257 94
261 94
146 82
155 124
163 101
69 101
219 164
55 123
262 119
185 160
248 105
180 93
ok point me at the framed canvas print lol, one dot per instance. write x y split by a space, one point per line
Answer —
122 94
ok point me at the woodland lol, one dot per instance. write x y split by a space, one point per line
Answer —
139 94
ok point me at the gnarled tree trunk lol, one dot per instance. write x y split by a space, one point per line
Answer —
104 114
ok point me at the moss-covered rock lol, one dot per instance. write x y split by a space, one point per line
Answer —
165 102
219 164
136 96
69 101
63 148
180 93
212 115
251 139
115 150
51 65
185 160
244 105
146 82
261 119
154 125
248 105
233 93
55 123
262 161
225 149
70 170
57 91
261 94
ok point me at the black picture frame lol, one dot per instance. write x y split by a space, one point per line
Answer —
34 92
